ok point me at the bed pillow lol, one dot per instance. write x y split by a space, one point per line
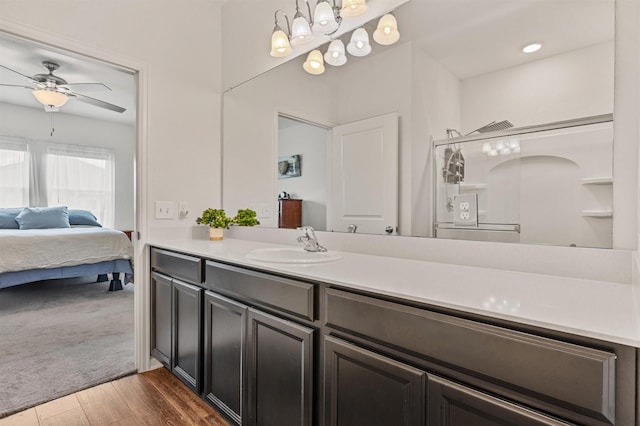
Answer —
82 217
43 217
8 218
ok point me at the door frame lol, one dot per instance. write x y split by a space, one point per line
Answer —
141 74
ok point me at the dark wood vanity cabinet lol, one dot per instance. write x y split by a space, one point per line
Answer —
259 365
280 351
366 388
280 356
176 315
224 353
453 404
289 213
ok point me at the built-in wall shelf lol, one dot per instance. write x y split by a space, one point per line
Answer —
597 213
597 181
472 185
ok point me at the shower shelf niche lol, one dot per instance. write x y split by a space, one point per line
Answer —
597 213
472 185
597 181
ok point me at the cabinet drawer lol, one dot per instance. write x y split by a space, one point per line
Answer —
177 265
284 294
546 368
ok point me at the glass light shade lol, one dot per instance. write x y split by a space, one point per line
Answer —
387 31
300 31
352 8
280 46
50 97
324 21
359 44
314 63
335 54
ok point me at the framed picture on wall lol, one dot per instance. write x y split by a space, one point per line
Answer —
289 166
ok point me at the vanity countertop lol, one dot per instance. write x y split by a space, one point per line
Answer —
596 309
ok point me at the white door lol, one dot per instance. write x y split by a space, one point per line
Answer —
363 174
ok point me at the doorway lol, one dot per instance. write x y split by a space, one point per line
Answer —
129 209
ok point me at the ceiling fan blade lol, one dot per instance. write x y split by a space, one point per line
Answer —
16 85
97 102
89 87
19 73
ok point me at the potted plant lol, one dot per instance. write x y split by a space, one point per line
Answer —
217 220
246 217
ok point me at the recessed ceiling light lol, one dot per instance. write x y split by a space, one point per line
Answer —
533 47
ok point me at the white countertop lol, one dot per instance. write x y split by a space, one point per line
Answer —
597 309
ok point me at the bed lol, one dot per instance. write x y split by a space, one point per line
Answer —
39 252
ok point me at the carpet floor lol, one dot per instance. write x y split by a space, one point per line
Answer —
61 336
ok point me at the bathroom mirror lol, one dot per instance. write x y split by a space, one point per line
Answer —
458 66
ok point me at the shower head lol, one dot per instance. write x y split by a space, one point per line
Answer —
493 127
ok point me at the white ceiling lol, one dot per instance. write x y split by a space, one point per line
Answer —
469 37
26 58
473 37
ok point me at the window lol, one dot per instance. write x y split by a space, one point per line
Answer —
81 177
49 174
14 173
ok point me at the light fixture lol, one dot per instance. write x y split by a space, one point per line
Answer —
502 147
359 44
351 8
533 47
300 27
50 98
387 31
314 63
280 45
335 54
326 19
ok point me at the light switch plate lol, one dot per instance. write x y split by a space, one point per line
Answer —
164 209
465 210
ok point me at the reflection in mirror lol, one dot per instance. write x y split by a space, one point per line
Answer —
458 66
537 185
302 199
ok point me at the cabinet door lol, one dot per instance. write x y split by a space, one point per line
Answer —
187 332
161 318
365 388
279 371
224 351
452 404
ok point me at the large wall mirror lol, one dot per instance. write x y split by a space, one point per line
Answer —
458 66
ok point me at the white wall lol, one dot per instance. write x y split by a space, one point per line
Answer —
180 45
435 101
251 132
562 87
35 124
310 142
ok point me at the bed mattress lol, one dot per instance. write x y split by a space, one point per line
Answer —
25 249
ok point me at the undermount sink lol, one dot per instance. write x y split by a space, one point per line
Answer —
291 255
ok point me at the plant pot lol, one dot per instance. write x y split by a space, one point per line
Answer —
216 234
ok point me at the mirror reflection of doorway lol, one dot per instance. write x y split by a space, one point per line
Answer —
302 148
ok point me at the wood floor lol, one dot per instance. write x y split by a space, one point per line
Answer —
155 397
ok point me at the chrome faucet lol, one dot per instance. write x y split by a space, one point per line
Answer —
309 239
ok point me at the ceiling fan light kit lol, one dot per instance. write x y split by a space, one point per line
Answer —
53 91
326 19
50 97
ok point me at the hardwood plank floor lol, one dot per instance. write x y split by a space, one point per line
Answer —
155 397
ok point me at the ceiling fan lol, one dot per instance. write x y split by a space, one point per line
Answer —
53 91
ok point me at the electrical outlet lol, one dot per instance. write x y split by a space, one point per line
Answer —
183 209
164 209
465 210
264 211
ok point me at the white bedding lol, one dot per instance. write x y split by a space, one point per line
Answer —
23 249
